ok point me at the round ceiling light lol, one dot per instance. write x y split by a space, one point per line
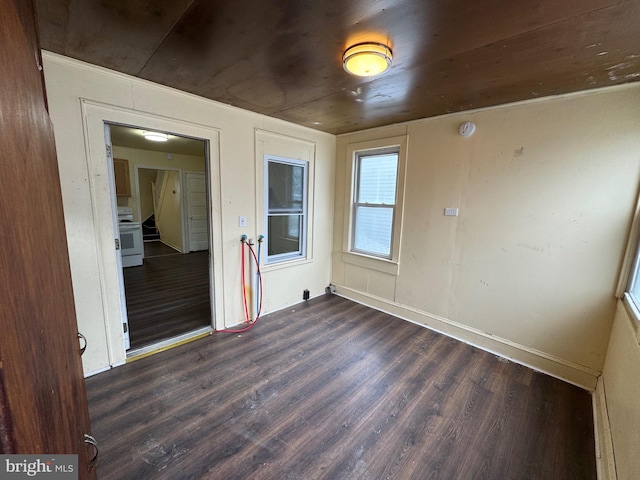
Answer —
367 59
156 136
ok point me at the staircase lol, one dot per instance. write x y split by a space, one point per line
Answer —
149 230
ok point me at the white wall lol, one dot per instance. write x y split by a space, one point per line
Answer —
68 83
546 192
621 385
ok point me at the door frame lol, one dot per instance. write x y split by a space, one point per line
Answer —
181 176
94 116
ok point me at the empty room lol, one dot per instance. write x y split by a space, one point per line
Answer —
321 240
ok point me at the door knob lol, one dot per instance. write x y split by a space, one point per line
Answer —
84 339
88 439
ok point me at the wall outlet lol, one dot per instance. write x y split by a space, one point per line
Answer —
451 212
305 295
242 221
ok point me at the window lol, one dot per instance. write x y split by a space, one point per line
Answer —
286 208
632 293
629 283
374 202
374 209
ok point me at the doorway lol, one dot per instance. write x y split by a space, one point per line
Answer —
167 295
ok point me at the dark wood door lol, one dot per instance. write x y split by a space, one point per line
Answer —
43 403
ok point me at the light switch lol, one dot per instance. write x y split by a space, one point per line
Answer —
242 221
451 212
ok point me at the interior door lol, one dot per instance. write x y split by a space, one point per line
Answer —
43 403
196 193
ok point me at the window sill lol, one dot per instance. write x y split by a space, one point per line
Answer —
294 262
381 265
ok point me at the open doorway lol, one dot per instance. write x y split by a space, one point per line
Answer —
161 194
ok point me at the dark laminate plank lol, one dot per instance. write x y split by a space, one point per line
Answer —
167 296
337 390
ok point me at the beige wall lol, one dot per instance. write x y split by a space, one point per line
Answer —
151 159
621 385
528 269
72 85
146 178
169 219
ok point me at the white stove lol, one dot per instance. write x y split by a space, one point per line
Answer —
131 245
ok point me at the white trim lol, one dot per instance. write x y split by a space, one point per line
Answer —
94 115
102 370
633 313
277 145
630 259
566 370
400 142
605 458
373 263
301 253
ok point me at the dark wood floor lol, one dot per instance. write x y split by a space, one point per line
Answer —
167 296
157 249
333 390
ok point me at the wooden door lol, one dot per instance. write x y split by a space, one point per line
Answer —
43 403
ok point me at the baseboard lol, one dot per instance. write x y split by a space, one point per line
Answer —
605 459
579 375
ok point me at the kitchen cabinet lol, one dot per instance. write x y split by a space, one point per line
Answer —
121 173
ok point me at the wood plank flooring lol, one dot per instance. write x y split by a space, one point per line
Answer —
167 296
330 389
157 249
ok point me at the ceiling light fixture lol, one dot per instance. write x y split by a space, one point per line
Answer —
367 59
156 136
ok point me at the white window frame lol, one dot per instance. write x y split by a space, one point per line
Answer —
391 264
359 155
633 302
630 272
631 269
302 251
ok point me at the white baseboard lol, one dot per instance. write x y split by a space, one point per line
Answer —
605 460
100 370
580 375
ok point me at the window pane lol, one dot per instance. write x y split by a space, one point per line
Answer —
634 291
373 230
377 175
286 187
284 234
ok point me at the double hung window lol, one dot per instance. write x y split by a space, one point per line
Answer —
286 208
632 293
374 202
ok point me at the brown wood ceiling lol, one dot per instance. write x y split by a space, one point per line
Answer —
282 58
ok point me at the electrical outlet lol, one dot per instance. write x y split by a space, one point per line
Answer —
451 212
242 221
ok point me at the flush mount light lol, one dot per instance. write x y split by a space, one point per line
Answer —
156 136
367 59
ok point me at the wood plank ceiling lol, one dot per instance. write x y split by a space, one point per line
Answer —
282 58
